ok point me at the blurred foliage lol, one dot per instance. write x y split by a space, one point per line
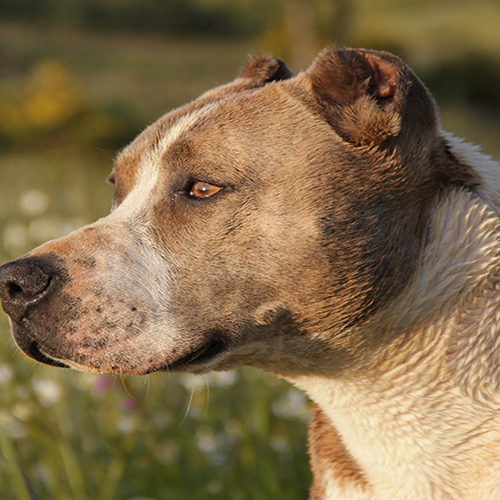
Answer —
472 78
51 109
78 437
186 17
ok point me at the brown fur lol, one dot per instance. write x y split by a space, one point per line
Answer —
329 457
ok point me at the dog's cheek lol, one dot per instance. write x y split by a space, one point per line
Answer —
243 297
253 263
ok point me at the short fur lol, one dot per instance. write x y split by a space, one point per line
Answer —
348 245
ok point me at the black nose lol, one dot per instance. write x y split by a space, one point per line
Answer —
23 283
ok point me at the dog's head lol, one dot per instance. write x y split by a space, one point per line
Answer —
260 224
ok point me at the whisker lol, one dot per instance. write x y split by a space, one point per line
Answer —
188 406
207 385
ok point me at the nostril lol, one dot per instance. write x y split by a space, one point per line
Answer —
27 288
13 289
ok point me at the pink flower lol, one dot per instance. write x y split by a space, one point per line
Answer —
103 384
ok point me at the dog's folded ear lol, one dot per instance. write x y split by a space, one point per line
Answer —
369 97
265 69
257 72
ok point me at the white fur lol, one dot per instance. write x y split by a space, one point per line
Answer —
488 169
336 492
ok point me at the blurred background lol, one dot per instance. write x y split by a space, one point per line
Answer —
78 80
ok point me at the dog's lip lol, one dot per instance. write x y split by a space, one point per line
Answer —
202 354
33 350
199 356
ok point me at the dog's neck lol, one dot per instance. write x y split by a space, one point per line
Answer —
421 419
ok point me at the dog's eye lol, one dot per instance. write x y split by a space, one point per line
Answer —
201 189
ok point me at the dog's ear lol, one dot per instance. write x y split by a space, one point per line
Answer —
369 97
265 69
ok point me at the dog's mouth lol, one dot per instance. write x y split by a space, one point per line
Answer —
198 357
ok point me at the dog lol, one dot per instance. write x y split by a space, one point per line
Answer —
320 226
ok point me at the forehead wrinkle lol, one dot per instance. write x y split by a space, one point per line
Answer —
155 135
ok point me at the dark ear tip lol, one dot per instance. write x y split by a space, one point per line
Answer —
283 72
265 69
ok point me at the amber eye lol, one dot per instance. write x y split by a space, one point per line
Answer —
203 190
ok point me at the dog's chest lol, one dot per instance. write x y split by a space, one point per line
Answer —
409 446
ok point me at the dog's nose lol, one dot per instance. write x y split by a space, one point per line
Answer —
23 282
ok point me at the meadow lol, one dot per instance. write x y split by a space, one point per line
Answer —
69 99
